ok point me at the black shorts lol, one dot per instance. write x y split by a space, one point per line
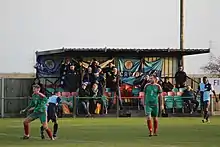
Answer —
206 104
52 112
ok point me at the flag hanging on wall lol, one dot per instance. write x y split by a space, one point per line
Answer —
128 68
48 66
153 67
134 70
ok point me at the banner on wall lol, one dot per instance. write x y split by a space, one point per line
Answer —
154 67
85 64
215 83
129 68
49 66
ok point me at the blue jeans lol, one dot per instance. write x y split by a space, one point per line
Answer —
86 106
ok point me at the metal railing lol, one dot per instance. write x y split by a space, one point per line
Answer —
11 106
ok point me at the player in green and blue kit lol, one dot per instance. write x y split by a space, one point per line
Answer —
52 107
38 104
152 96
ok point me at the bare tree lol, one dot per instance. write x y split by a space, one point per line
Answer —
213 66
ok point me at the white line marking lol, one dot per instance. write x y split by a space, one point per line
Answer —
3 134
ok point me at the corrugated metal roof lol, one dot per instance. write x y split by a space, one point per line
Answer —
137 50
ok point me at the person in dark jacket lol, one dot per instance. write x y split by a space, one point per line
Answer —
180 77
114 83
108 70
190 99
94 65
89 76
70 79
96 98
84 92
100 80
166 85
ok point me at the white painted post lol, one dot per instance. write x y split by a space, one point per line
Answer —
3 97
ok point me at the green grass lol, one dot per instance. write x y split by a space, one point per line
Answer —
112 132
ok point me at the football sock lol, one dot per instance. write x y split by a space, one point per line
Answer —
26 129
205 114
149 124
49 133
155 126
41 130
55 128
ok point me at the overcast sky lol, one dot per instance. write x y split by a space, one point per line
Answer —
30 25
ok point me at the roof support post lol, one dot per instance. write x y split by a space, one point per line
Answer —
182 28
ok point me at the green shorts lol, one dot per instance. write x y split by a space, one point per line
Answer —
41 115
151 110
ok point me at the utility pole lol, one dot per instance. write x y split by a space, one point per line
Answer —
182 29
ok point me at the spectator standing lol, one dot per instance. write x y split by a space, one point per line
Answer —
94 65
108 70
69 77
96 99
114 82
100 80
180 77
88 77
85 92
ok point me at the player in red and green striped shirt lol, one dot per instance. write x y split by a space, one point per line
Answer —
38 104
151 101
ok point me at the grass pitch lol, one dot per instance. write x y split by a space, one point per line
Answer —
112 132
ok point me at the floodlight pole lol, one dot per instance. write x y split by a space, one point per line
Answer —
182 29
3 98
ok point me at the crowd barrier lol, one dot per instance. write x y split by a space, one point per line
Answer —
11 106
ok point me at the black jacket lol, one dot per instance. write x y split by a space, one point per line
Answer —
84 93
180 77
167 86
